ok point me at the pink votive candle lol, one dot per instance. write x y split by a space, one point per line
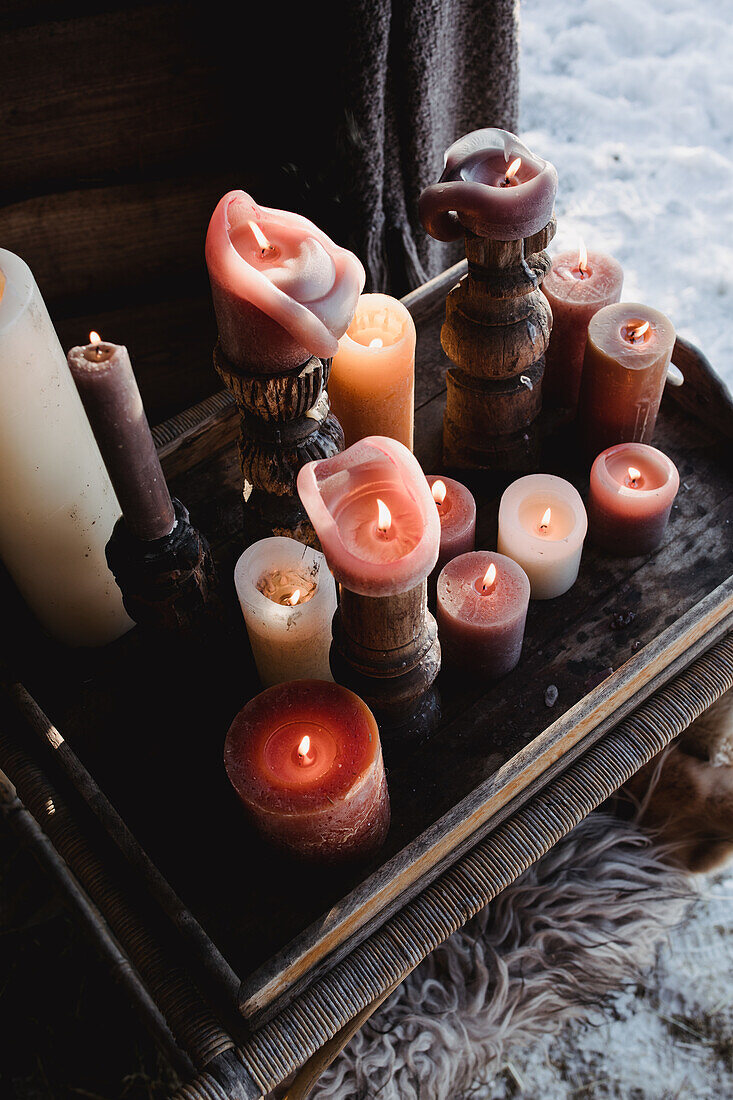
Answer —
373 512
482 608
578 285
632 489
457 511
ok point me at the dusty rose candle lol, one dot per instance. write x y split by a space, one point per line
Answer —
457 511
632 489
373 512
491 185
372 383
482 608
306 762
579 284
282 290
627 354
542 525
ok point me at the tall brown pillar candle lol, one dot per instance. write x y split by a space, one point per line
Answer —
627 354
111 398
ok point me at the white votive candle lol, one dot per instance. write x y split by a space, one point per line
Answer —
57 505
542 525
288 599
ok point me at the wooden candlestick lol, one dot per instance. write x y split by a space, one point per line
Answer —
285 421
496 330
386 650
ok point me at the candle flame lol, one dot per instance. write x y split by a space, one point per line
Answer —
384 520
439 491
636 330
293 598
545 521
513 169
489 577
259 236
582 257
304 747
634 474
95 338
377 342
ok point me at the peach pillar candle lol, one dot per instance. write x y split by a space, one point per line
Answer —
306 762
542 525
457 511
578 285
632 489
57 504
482 609
288 598
627 354
373 512
491 185
282 290
372 383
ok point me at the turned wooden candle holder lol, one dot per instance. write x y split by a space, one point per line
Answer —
285 421
386 649
496 330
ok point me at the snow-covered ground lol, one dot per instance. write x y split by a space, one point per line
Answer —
632 100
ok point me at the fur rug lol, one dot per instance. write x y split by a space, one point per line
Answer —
573 929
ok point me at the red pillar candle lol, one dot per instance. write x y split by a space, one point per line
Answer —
457 511
632 489
627 354
579 284
482 608
306 762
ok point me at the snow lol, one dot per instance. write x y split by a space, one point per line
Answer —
632 101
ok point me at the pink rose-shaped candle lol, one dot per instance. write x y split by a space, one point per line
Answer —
491 185
375 516
282 290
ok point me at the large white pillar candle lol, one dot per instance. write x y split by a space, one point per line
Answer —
288 599
57 505
542 525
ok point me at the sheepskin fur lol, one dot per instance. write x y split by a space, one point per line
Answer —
575 927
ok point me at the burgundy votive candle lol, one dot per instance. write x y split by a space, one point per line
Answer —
481 611
632 489
457 511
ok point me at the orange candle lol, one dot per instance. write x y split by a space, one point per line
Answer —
372 383
627 354
306 762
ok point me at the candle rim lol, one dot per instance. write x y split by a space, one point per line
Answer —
594 288
640 450
513 497
406 340
639 356
506 568
263 554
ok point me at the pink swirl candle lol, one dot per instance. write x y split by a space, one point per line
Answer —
579 284
457 511
632 489
306 762
491 185
482 608
282 290
374 514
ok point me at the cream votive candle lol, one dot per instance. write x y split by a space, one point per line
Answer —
542 525
632 489
481 611
288 599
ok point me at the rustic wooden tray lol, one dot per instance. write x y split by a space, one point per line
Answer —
141 730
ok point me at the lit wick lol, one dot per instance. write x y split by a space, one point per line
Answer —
635 331
293 598
545 521
439 492
303 750
582 261
267 251
377 342
489 578
96 352
384 518
511 173
634 477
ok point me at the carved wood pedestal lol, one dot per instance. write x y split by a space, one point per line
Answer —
497 327
386 649
285 422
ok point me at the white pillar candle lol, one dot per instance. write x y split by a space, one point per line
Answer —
57 505
542 525
288 599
